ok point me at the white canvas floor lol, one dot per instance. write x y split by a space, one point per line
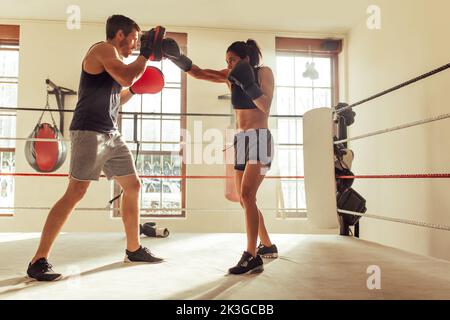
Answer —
309 267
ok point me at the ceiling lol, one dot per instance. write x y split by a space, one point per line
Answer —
327 16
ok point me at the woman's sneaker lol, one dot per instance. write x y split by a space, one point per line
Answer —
247 264
141 255
267 252
41 270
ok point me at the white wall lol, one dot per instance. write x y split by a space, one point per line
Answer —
48 49
411 42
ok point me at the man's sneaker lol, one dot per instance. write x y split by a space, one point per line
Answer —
41 270
141 255
267 252
248 263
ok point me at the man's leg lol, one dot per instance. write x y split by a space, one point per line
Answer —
131 186
58 216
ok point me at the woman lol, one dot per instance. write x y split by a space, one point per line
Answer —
251 88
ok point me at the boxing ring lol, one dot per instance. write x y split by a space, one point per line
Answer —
309 267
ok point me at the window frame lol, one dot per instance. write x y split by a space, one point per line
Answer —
181 39
321 48
9 41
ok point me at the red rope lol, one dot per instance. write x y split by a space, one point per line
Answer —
143 176
399 176
375 176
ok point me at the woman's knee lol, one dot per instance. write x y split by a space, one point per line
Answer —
247 197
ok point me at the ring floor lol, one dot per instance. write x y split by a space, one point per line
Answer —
309 267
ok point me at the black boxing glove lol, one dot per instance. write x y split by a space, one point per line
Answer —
172 51
243 76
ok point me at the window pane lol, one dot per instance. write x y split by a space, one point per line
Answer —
301 201
171 72
289 189
8 94
9 63
7 129
300 68
151 130
171 100
322 98
150 147
290 131
171 130
7 164
151 102
151 193
171 197
303 100
133 105
293 194
323 66
127 129
170 147
289 156
285 101
285 71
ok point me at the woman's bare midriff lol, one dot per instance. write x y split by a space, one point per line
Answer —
251 119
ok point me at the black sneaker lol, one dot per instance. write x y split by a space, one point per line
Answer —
141 255
41 270
247 264
267 252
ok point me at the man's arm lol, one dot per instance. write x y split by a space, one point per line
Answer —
125 96
124 74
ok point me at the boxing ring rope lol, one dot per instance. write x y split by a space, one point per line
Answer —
334 110
324 172
399 127
86 209
24 174
140 141
375 176
399 86
405 221
145 209
157 114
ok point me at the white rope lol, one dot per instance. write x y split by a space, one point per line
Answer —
399 127
412 222
34 139
68 140
153 142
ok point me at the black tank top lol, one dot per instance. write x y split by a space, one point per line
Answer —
98 103
239 99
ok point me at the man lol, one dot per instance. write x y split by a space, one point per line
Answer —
96 143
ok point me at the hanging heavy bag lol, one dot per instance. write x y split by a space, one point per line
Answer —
45 156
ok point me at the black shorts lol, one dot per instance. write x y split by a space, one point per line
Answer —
254 145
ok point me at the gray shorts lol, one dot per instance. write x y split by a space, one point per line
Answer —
93 152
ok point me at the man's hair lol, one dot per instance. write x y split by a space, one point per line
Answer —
119 22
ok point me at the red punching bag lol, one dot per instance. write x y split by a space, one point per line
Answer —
45 156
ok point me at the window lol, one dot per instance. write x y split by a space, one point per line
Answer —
160 137
306 78
9 76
